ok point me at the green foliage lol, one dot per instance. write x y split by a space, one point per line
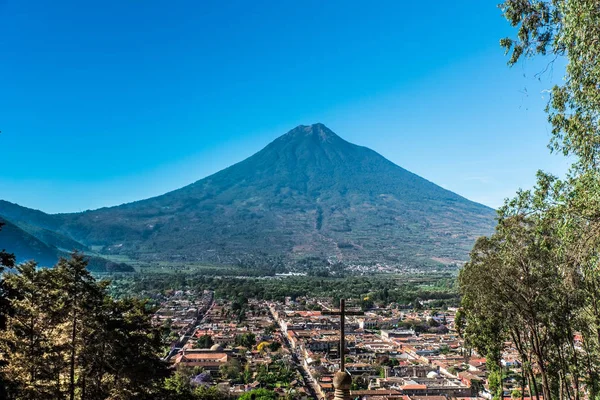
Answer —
568 29
204 342
208 393
277 374
179 384
259 394
360 382
514 287
7 260
269 330
66 338
246 340
495 383
231 371
274 346
179 387
535 281
438 287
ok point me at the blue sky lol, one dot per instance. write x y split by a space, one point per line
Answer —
108 102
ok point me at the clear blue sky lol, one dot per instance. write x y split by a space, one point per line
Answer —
108 102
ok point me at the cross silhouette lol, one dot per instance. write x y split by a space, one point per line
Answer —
342 313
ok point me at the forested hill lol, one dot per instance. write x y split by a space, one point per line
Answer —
308 193
26 246
40 245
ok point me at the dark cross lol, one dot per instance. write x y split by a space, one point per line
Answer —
342 313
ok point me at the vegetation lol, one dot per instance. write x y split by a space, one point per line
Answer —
41 245
246 340
64 337
438 289
192 384
204 342
535 281
259 394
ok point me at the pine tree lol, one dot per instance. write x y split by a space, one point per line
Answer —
68 339
7 260
33 358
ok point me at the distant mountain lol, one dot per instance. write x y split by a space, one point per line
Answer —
308 193
53 239
27 246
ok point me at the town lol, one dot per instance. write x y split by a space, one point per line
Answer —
392 351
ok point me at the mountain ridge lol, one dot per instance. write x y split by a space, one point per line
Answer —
27 245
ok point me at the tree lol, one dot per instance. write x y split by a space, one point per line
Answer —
204 342
179 385
360 382
202 378
444 349
495 383
208 393
514 287
124 357
274 346
66 338
81 297
7 260
34 360
536 280
191 384
269 330
259 394
568 29
262 347
246 340
231 370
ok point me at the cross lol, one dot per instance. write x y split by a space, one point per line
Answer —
342 313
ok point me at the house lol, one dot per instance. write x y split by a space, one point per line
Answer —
210 361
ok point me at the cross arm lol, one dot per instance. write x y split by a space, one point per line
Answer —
340 313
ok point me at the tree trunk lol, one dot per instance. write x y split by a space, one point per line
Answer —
532 384
72 368
522 383
537 348
33 358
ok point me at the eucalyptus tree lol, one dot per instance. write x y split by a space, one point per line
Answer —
537 279
569 29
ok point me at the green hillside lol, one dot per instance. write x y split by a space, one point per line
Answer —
26 246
